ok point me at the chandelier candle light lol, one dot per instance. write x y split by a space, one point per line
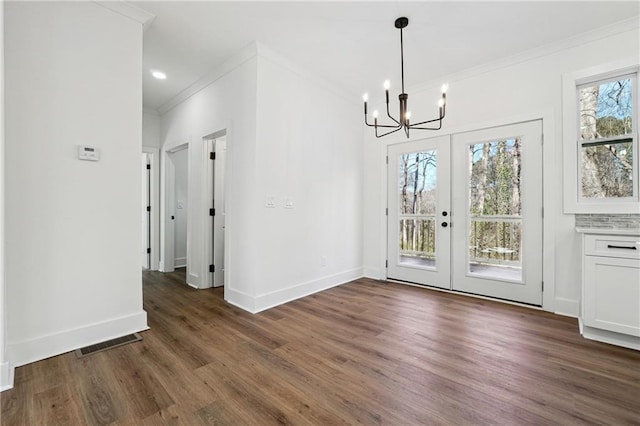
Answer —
405 115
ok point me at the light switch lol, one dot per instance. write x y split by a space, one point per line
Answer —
288 203
270 202
180 204
89 153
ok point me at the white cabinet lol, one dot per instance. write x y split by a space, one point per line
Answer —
611 288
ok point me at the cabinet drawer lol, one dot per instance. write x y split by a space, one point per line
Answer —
612 246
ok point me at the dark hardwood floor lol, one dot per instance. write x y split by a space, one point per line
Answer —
365 352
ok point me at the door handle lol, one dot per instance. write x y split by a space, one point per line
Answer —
444 213
445 224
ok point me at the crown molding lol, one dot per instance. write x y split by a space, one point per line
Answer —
130 11
626 25
305 73
150 111
245 54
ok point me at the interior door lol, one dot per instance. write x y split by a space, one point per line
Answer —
497 206
418 213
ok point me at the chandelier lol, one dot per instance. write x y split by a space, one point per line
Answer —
403 122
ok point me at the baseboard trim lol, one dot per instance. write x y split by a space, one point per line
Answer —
280 297
610 337
374 273
239 299
28 351
567 307
6 376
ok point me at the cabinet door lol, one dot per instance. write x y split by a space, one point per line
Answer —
612 294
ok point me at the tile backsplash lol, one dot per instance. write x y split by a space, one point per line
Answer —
608 221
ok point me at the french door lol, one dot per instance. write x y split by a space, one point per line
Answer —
465 212
419 199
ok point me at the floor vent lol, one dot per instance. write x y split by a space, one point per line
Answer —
109 344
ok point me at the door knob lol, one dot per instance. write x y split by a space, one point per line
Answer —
444 213
445 224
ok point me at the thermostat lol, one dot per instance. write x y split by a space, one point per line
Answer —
89 153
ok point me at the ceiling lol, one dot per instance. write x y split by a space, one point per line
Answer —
355 45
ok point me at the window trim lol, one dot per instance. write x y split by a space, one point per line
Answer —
572 146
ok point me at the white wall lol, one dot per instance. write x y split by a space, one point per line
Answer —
73 76
519 89
227 103
275 147
150 129
5 380
308 153
181 206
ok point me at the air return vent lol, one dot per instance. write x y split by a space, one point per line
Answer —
109 344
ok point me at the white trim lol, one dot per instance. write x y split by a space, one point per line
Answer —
626 25
610 337
282 296
570 146
130 11
154 161
373 273
305 74
6 373
151 111
6 376
32 350
240 299
180 262
167 182
567 307
229 65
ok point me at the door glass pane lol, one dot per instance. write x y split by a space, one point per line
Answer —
417 208
495 217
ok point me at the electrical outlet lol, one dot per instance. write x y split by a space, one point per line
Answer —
323 261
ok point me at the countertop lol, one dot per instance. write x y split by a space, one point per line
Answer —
609 231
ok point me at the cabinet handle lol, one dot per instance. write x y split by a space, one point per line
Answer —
621 247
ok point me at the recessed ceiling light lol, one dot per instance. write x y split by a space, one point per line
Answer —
159 75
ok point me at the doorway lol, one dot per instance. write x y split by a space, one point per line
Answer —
177 207
146 210
465 212
216 153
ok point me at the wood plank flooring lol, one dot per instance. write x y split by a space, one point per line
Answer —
363 353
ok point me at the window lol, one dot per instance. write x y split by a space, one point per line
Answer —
600 132
606 137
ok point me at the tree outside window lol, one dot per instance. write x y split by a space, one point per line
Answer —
606 138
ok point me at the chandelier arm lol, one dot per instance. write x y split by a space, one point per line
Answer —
388 133
389 114
426 128
378 125
428 121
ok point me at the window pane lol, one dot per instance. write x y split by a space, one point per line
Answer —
495 209
417 183
606 109
607 170
418 242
